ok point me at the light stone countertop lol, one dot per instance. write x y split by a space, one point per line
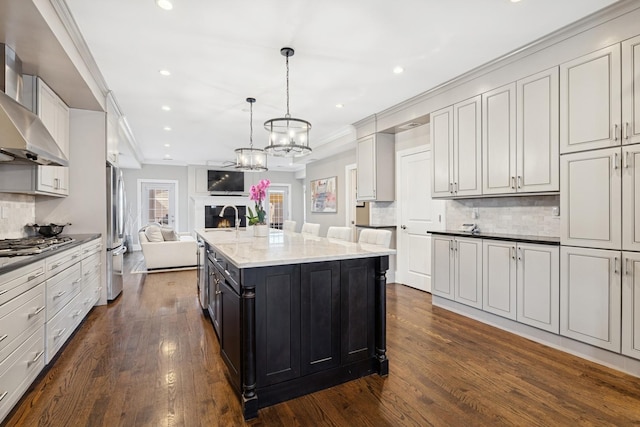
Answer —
284 247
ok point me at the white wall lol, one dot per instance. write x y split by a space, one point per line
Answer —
325 168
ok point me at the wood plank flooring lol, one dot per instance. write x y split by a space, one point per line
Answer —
152 359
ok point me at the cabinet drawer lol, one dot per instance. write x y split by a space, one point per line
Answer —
58 329
62 288
56 264
19 318
91 266
18 281
92 247
18 371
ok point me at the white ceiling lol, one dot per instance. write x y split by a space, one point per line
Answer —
220 53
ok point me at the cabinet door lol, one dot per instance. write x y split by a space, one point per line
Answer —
442 153
231 338
499 140
366 172
357 316
590 296
631 198
468 272
277 322
47 178
537 127
538 286
467 148
499 278
320 316
442 266
590 101
590 199
631 91
631 304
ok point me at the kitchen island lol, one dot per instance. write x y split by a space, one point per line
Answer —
294 313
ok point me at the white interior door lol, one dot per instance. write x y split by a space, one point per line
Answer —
418 215
352 190
158 202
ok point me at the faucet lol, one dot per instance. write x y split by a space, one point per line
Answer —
237 220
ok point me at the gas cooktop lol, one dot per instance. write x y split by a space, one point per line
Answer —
31 245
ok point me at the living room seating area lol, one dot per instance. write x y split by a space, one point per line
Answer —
163 248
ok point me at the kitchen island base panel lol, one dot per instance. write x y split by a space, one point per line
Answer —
382 265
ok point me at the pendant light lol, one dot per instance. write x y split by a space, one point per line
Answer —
251 159
288 137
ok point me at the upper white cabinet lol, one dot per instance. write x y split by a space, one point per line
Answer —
590 296
375 168
537 130
590 100
499 140
590 199
631 91
456 139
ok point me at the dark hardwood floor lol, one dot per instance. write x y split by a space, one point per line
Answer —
151 359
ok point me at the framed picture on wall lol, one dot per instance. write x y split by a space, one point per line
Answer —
324 195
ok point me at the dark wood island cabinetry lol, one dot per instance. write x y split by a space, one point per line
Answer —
300 325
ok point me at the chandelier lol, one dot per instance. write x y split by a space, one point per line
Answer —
251 159
288 136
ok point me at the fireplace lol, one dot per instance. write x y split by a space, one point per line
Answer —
212 218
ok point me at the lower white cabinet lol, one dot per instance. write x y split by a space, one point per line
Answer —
457 269
631 304
590 296
521 282
538 286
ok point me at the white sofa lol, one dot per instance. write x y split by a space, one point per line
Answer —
179 250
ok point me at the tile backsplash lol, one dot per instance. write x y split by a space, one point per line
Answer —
382 213
19 210
524 215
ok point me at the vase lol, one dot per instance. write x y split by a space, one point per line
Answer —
261 230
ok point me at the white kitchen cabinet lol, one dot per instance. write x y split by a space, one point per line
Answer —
590 199
521 282
631 91
631 198
499 140
538 286
631 304
499 271
456 139
442 260
457 269
590 101
537 129
376 168
590 296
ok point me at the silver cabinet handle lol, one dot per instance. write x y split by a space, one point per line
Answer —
55 266
60 333
76 281
512 249
218 292
4 337
30 278
615 265
35 313
519 181
77 313
615 132
627 270
626 160
513 182
3 395
59 294
35 359
519 254
626 130
451 187
4 291
615 160
451 245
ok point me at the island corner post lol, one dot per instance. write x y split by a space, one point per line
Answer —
373 283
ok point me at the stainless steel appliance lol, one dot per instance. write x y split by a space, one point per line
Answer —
115 231
203 290
14 250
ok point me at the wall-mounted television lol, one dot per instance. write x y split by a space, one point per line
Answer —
224 182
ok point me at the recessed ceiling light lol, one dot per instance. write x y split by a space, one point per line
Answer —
339 105
164 4
398 70
165 72
167 156
167 128
166 108
515 1
167 145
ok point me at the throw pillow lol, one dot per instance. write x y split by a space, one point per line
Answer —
154 233
169 234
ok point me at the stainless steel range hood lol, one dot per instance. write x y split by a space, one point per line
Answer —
23 136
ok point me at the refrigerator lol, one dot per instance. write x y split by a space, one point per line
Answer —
115 231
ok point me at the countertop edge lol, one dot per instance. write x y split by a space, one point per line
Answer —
542 240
